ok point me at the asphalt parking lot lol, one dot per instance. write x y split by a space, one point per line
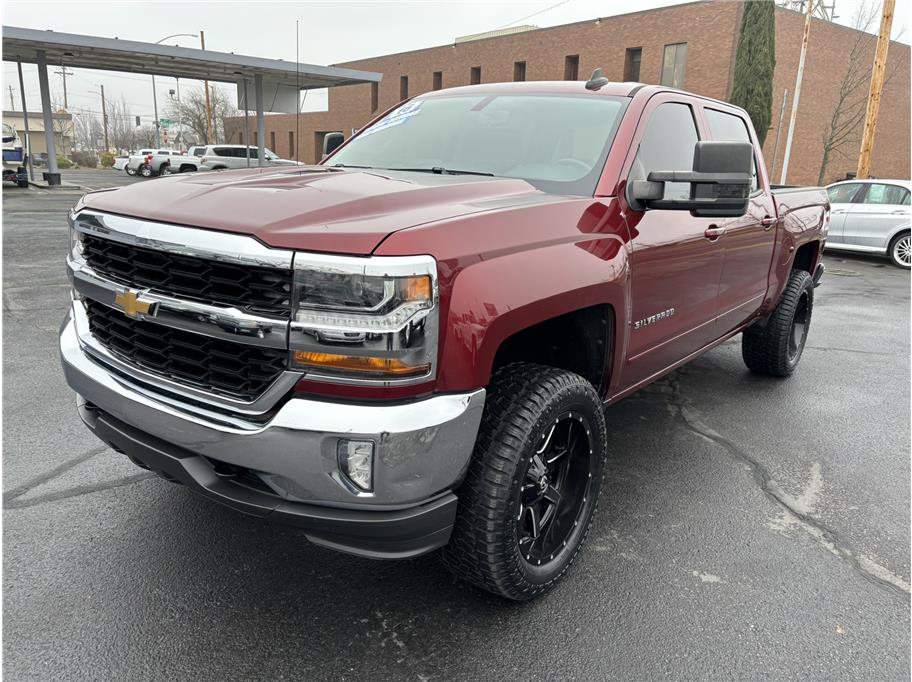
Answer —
749 528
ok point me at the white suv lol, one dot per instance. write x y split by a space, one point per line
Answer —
221 156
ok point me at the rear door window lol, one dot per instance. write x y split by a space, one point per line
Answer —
223 151
882 193
727 127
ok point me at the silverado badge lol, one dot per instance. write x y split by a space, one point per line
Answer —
133 306
646 321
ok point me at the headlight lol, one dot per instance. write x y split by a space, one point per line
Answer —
365 320
75 237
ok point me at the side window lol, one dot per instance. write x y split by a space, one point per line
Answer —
879 193
844 194
667 145
222 151
730 128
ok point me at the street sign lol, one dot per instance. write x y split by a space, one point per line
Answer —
164 121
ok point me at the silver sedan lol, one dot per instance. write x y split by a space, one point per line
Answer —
872 216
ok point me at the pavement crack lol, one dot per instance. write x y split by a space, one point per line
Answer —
850 350
41 479
796 510
76 491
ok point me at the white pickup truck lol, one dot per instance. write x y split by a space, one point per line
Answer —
151 162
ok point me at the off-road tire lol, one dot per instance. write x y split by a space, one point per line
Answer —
772 349
523 400
899 250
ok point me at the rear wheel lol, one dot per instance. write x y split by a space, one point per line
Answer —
130 171
532 486
145 171
165 169
901 250
776 348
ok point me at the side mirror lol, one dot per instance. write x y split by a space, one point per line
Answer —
331 142
719 182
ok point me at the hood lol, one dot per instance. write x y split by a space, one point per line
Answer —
312 208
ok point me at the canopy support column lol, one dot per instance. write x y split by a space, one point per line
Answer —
52 175
261 123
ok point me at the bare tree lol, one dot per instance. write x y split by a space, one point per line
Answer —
63 128
192 111
87 131
842 133
121 127
145 136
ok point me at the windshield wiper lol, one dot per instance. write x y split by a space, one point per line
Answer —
439 170
345 165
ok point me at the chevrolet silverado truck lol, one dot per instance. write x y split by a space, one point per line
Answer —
410 346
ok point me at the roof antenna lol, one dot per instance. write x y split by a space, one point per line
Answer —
597 80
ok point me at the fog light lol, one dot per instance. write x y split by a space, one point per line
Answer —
356 461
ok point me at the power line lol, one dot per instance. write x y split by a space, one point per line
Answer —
534 14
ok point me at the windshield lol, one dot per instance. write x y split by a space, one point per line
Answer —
558 143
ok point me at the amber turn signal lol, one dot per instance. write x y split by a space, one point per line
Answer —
418 288
355 363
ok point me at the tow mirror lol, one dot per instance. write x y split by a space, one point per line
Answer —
331 142
719 182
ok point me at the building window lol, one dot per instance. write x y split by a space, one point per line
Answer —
292 152
375 97
632 58
475 75
571 67
438 80
272 140
403 87
519 71
674 64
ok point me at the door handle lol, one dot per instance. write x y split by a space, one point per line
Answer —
713 232
837 210
899 211
768 222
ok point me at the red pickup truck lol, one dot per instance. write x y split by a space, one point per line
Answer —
410 345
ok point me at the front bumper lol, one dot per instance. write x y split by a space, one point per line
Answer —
285 468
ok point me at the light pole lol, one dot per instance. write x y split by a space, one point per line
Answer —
154 96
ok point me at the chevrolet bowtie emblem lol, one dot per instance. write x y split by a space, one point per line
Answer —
133 305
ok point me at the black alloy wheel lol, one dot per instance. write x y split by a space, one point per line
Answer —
555 488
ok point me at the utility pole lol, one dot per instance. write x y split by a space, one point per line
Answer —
64 72
772 167
877 83
797 97
12 101
104 118
206 88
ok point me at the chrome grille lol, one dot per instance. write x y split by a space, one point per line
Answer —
225 367
260 290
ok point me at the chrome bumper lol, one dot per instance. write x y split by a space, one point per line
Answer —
422 447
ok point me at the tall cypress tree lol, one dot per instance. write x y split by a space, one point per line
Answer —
754 63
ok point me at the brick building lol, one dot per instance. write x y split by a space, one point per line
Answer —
691 46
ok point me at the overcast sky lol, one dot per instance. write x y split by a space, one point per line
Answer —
331 32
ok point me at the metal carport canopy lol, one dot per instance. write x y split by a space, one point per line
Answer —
112 54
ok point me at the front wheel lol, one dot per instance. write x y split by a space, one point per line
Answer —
531 489
776 348
130 171
901 250
145 171
165 169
